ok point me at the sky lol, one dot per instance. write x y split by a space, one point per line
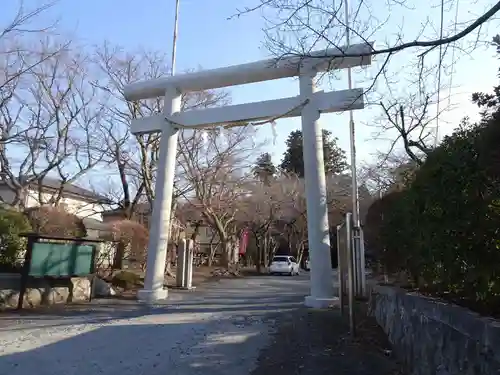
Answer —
208 39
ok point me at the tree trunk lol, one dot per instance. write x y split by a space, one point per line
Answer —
173 240
235 253
272 249
266 251
171 252
119 254
19 201
225 252
258 253
213 250
300 253
211 255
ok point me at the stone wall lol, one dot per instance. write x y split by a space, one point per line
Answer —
433 337
42 291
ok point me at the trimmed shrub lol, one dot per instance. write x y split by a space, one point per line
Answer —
55 221
444 228
457 208
12 223
446 223
132 241
384 225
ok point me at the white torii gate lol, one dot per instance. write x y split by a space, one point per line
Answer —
309 105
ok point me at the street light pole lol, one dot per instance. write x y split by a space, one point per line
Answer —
358 248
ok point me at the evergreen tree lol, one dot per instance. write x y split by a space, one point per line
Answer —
489 102
334 157
264 169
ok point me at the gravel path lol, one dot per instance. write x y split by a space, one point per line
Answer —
244 326
218 329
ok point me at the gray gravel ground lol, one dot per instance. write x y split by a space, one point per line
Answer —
229 327
314 342
216 329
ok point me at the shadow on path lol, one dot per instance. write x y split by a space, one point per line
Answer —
185 348
227 296
315 342
225 328
218 329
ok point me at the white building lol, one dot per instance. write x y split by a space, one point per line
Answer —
77 200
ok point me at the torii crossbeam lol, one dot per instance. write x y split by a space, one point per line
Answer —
309 104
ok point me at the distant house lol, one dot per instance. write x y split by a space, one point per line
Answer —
141 214
79 201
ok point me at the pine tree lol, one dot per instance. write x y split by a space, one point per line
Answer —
334 157
264 168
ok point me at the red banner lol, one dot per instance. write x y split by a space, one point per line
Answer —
244 241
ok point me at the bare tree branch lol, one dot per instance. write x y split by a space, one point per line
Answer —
294 22
49 125
218 169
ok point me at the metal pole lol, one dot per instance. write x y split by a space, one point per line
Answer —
362 262
352 133
340 270
356 260
350 270
358 250
174 43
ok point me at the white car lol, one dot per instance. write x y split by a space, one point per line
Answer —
284 264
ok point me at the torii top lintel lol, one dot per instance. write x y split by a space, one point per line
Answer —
264 70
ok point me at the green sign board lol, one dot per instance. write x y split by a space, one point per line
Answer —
61 259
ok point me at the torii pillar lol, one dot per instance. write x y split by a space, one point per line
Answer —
322 291
309 105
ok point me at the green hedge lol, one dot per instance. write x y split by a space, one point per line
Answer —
12 223
444 229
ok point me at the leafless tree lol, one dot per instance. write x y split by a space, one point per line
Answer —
409 111
277 213
130 160
293 219
17 55
261 211
387 172
417 44
300 26
45 113
217 166
133 158
411 126
49 126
